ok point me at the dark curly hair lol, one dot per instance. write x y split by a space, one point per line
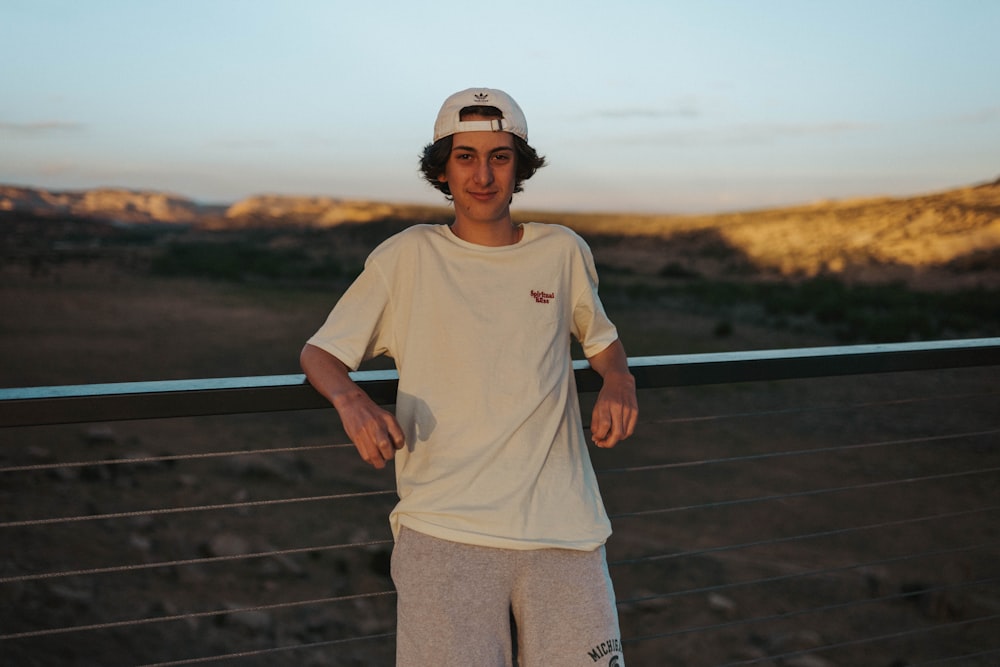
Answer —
435 156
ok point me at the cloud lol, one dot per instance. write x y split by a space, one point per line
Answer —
235 144
986 115
40 127
748 134
58 168
770 131
644 113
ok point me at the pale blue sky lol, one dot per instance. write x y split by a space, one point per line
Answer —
659 105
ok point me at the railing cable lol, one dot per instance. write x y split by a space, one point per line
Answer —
802 612
268 651
168 458
821 408
805 574
797 452
361 494
193 508
191 615
805 536
98 403
804 494
865 640
210 560
953 658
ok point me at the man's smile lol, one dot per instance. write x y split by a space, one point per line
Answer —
483 196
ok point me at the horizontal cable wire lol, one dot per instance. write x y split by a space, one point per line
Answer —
144 566
115 569
651 558
821 408
888 598
128 623
258 503
806 409
268 651
193 508
282 450
702 590
271 651
866 640
805 574
805 494
800 612
321 644
803 536
953 658
167 458
305 448
797 452
288 552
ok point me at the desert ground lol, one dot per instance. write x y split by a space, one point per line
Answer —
883 525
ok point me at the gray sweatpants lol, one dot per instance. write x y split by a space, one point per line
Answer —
455 602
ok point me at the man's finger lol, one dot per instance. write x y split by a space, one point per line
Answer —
633 421
395 432
386 448
599 425
371 455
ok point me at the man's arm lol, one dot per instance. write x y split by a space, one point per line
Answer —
374 431
617 409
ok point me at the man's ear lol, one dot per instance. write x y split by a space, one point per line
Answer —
442 178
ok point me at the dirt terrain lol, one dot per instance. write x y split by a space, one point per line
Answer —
711 466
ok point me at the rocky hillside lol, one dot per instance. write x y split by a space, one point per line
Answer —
949 239
129 206
272 210
114 204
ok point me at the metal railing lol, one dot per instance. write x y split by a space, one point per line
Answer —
767 513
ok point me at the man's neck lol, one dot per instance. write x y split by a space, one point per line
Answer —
494 233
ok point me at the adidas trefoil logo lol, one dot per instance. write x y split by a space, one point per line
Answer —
482 97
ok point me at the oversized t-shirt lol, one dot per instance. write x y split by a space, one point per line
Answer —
495 453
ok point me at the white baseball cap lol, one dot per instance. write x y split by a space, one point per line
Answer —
449 118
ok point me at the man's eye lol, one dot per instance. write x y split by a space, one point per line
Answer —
502 157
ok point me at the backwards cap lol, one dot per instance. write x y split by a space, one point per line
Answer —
449 121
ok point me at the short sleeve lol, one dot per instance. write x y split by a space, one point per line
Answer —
591 325
358 328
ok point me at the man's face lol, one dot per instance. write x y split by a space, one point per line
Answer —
480 173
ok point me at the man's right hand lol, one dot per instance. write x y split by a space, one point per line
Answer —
374 431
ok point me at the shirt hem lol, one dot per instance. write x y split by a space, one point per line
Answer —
479 539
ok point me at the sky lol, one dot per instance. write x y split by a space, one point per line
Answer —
647 106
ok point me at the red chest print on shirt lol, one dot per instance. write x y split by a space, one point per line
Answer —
542 297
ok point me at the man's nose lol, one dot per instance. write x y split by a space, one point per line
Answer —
484 173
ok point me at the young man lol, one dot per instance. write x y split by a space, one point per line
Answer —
499 514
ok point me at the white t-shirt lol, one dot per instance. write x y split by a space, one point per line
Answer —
495 453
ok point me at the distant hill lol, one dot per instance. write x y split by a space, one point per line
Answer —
112 204
137 207
949 238
944 239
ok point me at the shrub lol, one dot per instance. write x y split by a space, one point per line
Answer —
241 260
